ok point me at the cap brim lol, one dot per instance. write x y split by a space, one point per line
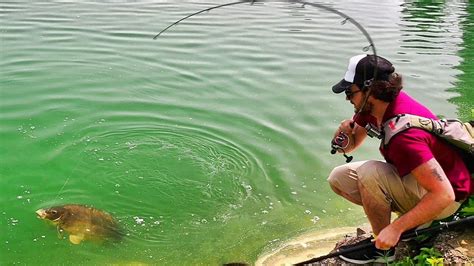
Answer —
341 86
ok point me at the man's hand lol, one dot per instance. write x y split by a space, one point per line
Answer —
388 237
355 133
347 126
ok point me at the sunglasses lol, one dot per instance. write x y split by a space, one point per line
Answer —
349 93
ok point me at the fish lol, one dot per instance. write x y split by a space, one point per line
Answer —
82 223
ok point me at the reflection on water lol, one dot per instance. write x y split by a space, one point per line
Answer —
465 100
426 24
210 144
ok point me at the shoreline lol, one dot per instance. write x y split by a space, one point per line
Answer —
304 247
456 246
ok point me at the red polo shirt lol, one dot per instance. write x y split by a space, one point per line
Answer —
413 147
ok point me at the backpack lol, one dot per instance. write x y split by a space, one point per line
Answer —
460 135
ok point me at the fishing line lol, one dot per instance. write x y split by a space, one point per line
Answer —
67 179
61 190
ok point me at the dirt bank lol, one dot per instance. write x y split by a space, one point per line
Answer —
456 246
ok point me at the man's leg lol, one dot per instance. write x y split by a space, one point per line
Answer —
364 180
382 191
376 199
344 181
416 192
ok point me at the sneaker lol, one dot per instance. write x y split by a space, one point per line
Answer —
367 255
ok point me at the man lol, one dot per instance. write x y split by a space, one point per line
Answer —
422 179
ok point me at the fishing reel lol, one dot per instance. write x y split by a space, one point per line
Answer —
339 143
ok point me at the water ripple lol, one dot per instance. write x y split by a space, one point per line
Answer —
213 137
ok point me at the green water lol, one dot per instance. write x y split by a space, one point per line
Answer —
216 134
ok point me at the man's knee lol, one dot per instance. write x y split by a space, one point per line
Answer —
335 177
343 181
372 172
374 177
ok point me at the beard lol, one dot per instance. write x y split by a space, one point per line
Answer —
366 109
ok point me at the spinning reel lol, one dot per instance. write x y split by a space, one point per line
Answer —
339 143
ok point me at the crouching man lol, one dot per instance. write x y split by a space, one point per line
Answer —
422 178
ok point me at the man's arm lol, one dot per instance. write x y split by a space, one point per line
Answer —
440 194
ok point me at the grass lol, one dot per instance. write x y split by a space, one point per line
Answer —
427 256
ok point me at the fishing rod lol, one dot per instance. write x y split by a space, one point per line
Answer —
407 235
303 4
342 137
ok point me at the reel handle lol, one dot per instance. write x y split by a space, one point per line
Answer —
348 158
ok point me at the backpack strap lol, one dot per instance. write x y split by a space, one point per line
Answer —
403 122
452 130
458 134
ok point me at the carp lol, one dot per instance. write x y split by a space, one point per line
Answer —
82 222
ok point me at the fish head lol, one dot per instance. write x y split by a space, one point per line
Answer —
52 214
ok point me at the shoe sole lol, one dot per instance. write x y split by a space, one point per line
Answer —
378 260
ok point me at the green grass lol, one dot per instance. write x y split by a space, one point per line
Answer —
427 256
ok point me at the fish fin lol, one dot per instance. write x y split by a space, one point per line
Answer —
76 239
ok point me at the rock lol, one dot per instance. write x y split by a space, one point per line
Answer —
360 232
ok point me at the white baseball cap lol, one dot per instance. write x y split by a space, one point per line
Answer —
362 68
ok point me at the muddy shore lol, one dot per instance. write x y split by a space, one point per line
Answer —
457 246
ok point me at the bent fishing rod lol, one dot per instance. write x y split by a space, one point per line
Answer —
303 4
335 145
407 235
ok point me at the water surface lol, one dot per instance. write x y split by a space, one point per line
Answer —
209 144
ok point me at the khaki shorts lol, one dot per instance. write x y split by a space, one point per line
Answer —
384 183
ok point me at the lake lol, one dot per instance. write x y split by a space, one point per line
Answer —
211 143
